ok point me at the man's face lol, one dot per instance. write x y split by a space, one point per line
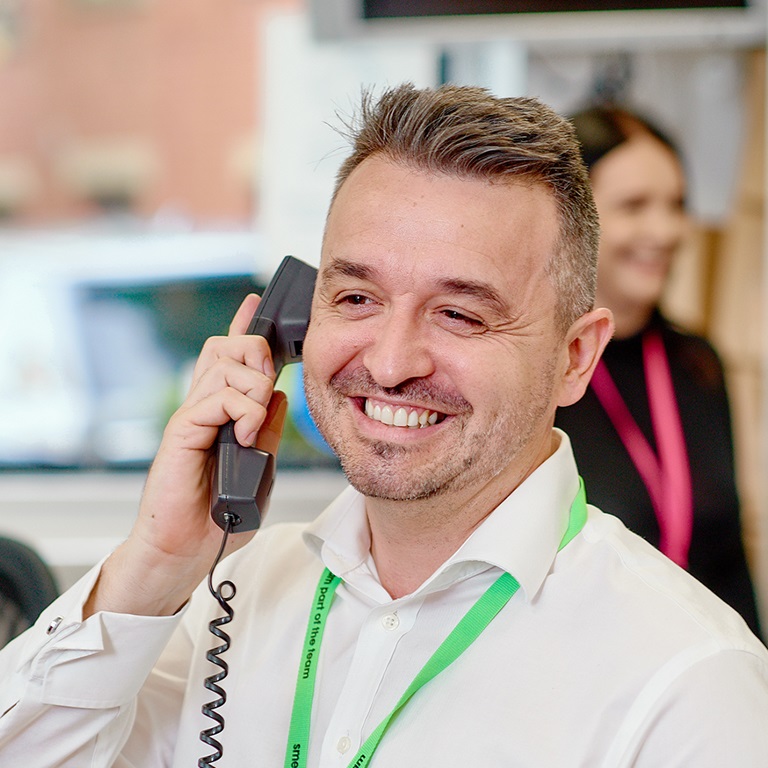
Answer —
432 357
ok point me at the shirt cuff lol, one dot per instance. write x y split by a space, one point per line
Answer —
97 663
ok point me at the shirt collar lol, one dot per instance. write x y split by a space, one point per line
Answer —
340 536
523 533
521 536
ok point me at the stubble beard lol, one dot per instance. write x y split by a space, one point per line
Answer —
385 470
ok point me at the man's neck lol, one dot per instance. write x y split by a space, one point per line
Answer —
410 540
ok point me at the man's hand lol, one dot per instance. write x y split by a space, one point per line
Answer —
174 540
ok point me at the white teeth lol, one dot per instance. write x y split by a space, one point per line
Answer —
400 417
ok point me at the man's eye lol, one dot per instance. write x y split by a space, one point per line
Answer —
355 299
459 318
355 304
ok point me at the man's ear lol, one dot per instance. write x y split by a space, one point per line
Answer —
586 340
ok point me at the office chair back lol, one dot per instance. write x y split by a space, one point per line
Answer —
27 586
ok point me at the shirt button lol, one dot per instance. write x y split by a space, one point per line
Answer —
390 621
54 625
343 744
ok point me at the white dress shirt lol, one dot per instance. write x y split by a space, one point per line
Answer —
609 655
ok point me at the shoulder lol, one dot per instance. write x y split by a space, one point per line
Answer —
276 553
658 598
707 711
692 355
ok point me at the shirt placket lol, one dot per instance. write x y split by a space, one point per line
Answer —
375 653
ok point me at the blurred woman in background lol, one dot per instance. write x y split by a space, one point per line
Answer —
652 435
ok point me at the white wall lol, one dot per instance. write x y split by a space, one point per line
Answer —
75 519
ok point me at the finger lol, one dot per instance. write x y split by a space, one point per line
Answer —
244 314
271 430
251 351
229 373
197 426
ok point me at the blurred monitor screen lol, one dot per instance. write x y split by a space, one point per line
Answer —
379 9
94 359
577 24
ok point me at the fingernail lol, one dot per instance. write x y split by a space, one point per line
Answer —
251 439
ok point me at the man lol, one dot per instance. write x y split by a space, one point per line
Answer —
452 315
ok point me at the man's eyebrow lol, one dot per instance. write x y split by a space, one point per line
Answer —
344 268
482 292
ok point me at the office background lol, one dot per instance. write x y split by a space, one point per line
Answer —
158 158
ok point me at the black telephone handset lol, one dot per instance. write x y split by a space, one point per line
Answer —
244 476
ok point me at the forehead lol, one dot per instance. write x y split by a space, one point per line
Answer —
394 217
641 162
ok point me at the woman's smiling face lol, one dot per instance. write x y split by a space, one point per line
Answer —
639 191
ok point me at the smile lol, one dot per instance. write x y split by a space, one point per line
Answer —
411 418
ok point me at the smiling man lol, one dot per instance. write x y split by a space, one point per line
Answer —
459 604
408 337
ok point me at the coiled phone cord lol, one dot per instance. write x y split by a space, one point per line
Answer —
223 594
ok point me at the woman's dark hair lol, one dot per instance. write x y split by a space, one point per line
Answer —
601 129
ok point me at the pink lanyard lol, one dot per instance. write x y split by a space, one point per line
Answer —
666 476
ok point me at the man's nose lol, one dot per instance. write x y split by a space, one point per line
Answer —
399 350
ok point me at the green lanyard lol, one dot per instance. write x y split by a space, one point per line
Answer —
477 618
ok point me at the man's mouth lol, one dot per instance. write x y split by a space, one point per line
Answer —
401 416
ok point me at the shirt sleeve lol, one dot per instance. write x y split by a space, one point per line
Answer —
69 689
713 714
